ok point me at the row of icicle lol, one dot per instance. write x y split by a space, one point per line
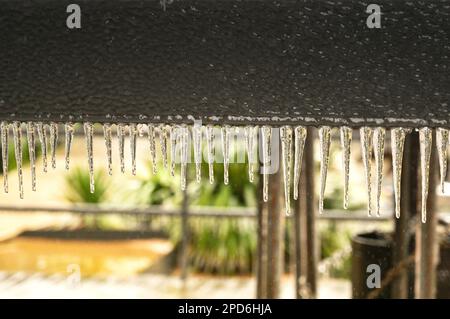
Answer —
372 139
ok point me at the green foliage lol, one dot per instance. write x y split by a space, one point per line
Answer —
12 157
333 240
78 186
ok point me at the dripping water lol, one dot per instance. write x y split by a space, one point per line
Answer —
42 133
53 142
442 144
152 145
69 129
250 138
266 136
4 128
324 141
31 141
121 138
378 145
366 134
210 149
107 134
17 132
397 144
197 137
346 142
226 133
133 141
286 149
88 132
426 138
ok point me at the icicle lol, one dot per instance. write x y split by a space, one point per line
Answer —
266 135
184 134
17 131
4 127
300 139
346 142
250 138
226 144
174 132
88 132
366 134
68 129
121 138
151 140
210 149
426 138
442 144
197 137
164 133
324 140
286 149
378 145
107 134
397 145
42 133
133 140
53 142
31 140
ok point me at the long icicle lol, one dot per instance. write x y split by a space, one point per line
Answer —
197 138
164 133
42 133
366 135
378 145
17 132
107 135
31 140
4 128
53 142
152 145
226 145
68 129
286 149
324 140
442 135
300 133
210 149
133 141
397 145
88 132
250 137
426 139
184 136
174 132
266 136
121 138
346 143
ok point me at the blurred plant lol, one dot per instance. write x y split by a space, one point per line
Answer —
12 156
332 241
78 186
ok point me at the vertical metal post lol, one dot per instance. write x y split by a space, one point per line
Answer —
262 258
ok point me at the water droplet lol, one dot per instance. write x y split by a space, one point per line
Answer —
152 145
366 135
324 141
184 137
300 133
266 140
426 138
286 149
210 149
53 142
397 144
121 138
197 137
68 129
164 133
42 133
107 134
4 127
378 145
346 143
31 141
17 131
88 132
226 144
133 140
250 139
442 144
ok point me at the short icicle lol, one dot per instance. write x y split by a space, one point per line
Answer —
89 132
442 144
107 135
286 150
398 136
17 132
4 128
300 133
226 144
133 141
152 146
174 132
164 133
426 139
324 141
266 137
42 133
31 141
69 130
121 138
378 145
197 138
53 142
184 143
366 135
250 133
209 132
346 143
